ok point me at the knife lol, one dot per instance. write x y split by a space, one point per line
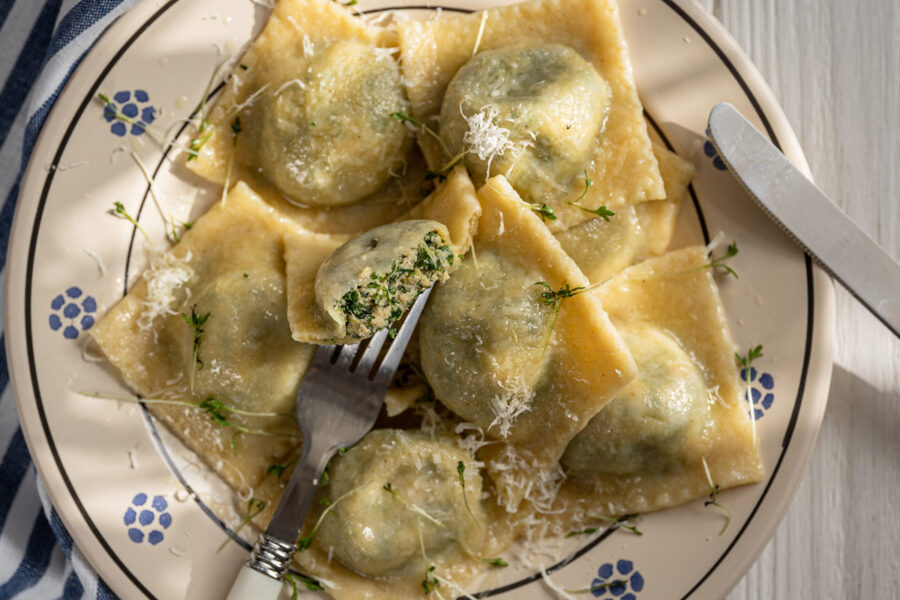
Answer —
808 217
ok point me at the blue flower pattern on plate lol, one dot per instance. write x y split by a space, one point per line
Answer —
134 105
710 150
761 385
617 582
72 312
147 521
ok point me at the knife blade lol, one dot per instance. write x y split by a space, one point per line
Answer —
813 221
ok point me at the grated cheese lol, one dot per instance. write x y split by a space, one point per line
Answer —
509 405
165 276
308 48
485 138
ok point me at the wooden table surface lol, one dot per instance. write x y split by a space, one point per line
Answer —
834 66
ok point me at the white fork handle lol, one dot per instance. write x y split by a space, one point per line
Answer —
253 585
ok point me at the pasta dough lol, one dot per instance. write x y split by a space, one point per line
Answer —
603 248
246 359
673 317
623 169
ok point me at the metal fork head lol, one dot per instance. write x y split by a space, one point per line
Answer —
343 389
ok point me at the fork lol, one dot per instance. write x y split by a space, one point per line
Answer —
337 404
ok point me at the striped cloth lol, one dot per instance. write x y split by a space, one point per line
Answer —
41 42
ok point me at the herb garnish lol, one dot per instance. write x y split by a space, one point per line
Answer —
601 211
254 508
119 210
544 212
431 582
497 563
746 362
278 469
390 489
235 129
305 542
415 123
196 322
586 531
461 470
621 522
719 262
713 495
292 579
554 299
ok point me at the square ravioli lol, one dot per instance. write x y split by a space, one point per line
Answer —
623 168
305 119
684 413
500 356
203 338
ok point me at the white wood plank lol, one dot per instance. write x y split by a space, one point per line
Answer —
835 67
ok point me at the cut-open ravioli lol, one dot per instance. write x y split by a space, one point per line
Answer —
236 357
495 353
623 167
370 281
453 205
646 450
603 248
305 117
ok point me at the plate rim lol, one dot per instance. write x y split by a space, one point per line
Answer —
820 319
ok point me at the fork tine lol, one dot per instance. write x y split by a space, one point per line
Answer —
346 356
391 361
369 355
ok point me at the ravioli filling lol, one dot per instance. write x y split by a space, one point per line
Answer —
373 295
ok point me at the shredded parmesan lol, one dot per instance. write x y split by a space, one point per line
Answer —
165 277
560 593
484 18
308 48
101 266
484 137
288 84
508 405
714 243
523 479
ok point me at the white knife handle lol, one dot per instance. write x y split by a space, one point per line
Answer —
253 585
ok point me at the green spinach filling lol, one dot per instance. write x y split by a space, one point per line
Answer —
386 296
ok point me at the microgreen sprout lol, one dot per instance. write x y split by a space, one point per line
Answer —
719 262
254 508
585 531
305 542
621 522
416 124
277 470
601 211
390 489
119 211
294 578
713 496
497 563
461 470
554 299
235 129
543 211
746 362
431 582
196 322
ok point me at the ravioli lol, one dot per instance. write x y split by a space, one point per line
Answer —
305 117
623 167
603 248
233 264
369 282
549 105
453 204
485 348
645 451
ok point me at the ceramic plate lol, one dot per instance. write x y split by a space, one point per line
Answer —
147 514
